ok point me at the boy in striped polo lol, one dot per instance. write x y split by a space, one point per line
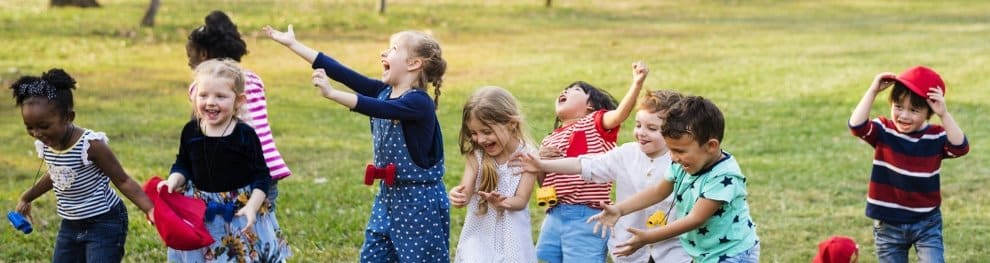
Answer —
904 195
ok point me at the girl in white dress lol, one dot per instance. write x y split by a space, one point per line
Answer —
497 225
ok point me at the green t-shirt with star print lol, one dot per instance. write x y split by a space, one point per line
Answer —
730 230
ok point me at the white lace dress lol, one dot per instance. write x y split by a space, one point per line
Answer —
492 237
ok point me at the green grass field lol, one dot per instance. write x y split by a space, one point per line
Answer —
786 75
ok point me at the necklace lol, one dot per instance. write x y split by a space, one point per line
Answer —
64 142
209 156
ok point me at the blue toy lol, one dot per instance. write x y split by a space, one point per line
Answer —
19 222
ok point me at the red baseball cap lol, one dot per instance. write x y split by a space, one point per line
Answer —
178 218
919 79
837 249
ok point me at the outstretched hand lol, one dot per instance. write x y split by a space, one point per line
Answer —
322 81
634 243
495 199
525 163
605 220
285 38
639 71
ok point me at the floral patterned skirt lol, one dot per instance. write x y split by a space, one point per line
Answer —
264 243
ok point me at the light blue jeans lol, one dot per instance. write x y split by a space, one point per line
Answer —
751 255
565 237
894 240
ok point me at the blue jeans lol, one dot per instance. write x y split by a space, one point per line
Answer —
565 237
96 239
272 193
751 255
894 240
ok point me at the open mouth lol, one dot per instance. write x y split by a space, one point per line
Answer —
385 66
561 99
212 114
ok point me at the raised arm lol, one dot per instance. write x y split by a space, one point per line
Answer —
936 100
288 39
862 111
614 118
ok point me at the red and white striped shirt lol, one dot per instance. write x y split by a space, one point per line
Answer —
255 114
586 136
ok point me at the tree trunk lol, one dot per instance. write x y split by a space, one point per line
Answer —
77 3
548 3
149 16
381 7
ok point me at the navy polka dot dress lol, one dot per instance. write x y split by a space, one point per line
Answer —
410 220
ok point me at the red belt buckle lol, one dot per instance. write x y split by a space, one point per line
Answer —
387 174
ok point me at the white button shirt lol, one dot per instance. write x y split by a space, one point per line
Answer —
632 171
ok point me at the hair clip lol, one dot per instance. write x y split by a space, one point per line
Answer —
37 88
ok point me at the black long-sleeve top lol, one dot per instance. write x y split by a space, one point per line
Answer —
220 164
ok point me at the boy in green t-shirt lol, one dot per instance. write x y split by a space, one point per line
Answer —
709 191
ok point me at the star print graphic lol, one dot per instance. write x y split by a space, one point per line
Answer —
727 181
720 211
724 239
735 219
702 231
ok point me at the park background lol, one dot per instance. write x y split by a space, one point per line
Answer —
786 74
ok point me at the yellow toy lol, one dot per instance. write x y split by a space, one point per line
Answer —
546 196
658 219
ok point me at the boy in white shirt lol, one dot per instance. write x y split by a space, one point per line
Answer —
634 166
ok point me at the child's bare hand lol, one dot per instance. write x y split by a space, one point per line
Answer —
631 245
640 71
249 212
550 152
171 185
24 208
495 199
322 81
883 81
605 220
936 100
525 163
285 38
457 196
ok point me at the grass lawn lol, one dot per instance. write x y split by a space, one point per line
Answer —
786 75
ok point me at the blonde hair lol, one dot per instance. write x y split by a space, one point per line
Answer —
222 69
492 106
427 48
660 101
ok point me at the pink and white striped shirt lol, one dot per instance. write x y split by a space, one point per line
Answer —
255 114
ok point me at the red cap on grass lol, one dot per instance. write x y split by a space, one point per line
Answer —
919 79
178 218
837 249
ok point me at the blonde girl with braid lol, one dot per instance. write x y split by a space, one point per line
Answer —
497 226
410 217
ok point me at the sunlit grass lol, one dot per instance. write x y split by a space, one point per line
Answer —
786 74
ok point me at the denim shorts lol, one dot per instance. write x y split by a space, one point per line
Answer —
893 241
96 239
751 255
565 237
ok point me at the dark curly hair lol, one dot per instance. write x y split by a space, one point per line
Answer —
55 84
218 37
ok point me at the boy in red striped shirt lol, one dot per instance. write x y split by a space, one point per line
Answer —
904 194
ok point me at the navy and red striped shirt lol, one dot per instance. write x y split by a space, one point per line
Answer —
904 184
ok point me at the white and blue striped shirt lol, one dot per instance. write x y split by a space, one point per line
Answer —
81 189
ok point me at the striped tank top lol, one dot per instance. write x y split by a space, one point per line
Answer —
81 189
